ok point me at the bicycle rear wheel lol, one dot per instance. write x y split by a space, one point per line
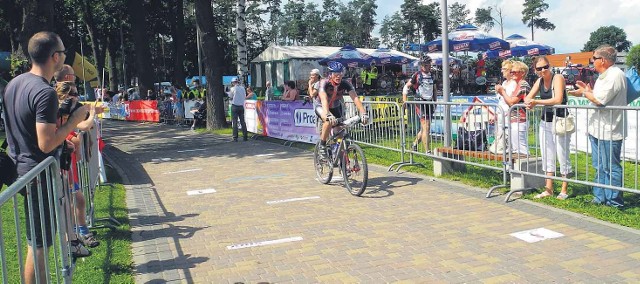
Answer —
354 170
323 166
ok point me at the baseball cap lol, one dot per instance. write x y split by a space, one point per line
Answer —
235 79
315 71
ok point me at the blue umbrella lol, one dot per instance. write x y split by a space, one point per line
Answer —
468 38
437 59
348 55
521 47
383 56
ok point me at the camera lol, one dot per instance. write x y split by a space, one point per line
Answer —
65 157
68 106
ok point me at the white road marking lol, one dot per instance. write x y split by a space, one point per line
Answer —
275 160
292 199
265 155
191 150
201 191
264 243
536 235
183 171
178 137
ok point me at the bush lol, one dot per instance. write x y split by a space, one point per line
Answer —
633 58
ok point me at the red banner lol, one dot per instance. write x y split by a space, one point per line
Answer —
143 111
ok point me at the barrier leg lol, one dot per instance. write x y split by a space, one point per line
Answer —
410 163
522 182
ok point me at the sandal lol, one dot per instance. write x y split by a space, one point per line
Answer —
543 195
562 196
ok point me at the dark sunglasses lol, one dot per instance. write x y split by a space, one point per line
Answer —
542 68
73 94
514 72
595 58
60 51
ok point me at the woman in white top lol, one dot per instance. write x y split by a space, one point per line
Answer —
509 85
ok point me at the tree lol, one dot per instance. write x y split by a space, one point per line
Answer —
458 15
178 36
141 40
241 40
633 58
212 46
531 15
37 16
610 35
484 19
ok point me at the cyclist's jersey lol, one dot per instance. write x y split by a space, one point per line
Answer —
424 85
335 92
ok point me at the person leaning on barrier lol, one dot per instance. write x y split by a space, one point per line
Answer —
33 135
518 142
290 91
423 83
68 95
330 92
551 90
606 126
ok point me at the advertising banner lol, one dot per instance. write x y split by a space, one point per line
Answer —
293 121
143 111
251 116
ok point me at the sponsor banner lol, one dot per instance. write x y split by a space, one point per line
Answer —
294 121
580 142
461 46
143 111
251 116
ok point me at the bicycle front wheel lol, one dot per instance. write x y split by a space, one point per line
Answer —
354 170
323 166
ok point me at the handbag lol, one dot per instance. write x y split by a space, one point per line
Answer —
475 140
564 125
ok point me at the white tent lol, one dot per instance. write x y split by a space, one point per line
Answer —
282 63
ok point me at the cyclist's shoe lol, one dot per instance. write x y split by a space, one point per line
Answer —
323 151
89 240
414 147
78 250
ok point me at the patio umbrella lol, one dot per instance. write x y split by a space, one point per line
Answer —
468 38
521 46
382 56
348 55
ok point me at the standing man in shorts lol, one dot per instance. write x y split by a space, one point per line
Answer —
32 134
423 83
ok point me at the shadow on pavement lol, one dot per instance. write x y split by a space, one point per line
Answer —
380 187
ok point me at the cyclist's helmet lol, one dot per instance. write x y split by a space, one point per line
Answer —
335 67
425 60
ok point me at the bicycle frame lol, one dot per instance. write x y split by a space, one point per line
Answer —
340 135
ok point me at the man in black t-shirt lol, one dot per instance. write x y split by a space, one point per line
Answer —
424 86
32 112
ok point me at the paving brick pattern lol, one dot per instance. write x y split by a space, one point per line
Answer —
406 228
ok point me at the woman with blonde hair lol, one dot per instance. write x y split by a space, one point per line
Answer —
551 91
509 85
517 116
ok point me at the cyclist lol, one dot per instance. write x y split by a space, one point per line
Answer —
424 85
330 106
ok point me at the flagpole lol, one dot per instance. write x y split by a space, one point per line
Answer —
84 82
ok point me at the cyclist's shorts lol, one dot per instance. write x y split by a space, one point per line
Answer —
424 111
336 111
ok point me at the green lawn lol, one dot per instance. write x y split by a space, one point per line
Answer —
111 262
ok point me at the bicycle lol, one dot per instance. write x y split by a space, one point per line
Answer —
344 154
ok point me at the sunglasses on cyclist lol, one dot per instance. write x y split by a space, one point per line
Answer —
542 68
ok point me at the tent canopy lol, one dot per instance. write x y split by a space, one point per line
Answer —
276 52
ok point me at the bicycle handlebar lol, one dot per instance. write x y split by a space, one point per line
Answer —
347 122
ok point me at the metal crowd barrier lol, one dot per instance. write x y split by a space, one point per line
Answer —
59 267
89 178
385 129
581 167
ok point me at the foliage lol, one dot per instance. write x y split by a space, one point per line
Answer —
18 63
532 16
611 35
633 58
415 23
458 15
483 19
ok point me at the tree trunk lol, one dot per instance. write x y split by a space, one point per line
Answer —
37 15
96 46
213 64
141 45
112 50
177 33
241 37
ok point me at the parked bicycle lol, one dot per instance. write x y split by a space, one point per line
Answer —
344 154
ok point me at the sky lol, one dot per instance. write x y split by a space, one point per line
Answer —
574 19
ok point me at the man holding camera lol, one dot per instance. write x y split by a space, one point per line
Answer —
32 111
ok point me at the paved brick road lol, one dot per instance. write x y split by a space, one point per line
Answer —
406 228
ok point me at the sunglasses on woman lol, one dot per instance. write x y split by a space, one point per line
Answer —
542 68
